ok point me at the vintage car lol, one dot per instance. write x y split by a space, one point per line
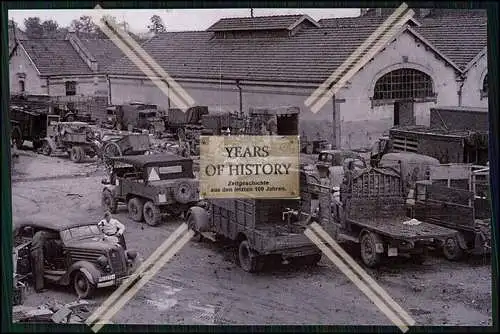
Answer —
75 254
152 186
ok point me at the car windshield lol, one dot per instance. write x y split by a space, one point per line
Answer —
80 232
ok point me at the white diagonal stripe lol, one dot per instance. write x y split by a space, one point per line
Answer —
363 274
379 45
145 265
147 276
376 34
178 95
136 47
353 277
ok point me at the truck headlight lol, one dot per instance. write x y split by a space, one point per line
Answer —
131 255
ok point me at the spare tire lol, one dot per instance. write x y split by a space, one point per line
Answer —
183 192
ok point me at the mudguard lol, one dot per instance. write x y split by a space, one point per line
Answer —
461 241
87 268
197 219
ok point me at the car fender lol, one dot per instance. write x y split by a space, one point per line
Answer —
88 269
198 219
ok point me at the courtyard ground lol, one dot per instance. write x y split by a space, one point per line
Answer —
203 285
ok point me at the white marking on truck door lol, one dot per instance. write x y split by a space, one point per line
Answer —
153 175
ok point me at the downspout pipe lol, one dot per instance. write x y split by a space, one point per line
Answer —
460 90
240 96
108 80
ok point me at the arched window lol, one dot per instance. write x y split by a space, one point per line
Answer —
485 86
21 86
404 83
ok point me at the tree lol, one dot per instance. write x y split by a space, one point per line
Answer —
50 29
157 25
34 28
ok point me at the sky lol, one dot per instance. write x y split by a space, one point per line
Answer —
175 19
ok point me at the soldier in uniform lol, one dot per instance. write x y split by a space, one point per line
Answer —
38 249
112 228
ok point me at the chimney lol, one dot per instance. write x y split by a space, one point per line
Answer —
378 11
363 11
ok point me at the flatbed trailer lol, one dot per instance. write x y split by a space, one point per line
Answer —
372 212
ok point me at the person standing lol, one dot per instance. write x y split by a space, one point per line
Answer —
38 249
112 228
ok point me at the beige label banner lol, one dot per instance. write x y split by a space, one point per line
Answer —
249 167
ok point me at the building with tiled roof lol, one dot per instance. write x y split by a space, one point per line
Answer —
281 60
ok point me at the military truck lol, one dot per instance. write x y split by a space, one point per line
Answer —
453 208
177 120
135 117
152 186
27 126
261 229
372 212
77 139
446 145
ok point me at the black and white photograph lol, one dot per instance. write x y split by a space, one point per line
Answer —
393 223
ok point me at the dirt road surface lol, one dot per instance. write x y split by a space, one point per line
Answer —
202 285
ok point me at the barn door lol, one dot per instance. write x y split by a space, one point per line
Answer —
404 113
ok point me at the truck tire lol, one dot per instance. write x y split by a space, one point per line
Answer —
46 149
183 192
151 213
452 250
248 260
135 209
108 202
75 154
368 244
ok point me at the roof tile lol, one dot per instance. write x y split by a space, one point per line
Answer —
255 23
309 56
55 57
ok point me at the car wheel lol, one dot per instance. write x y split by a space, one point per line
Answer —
369 253
109 203
248 260
151 213
83 287
135 209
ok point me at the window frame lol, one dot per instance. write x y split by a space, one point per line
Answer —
70 87
403 84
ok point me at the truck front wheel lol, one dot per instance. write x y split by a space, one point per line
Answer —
249 261
369 253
